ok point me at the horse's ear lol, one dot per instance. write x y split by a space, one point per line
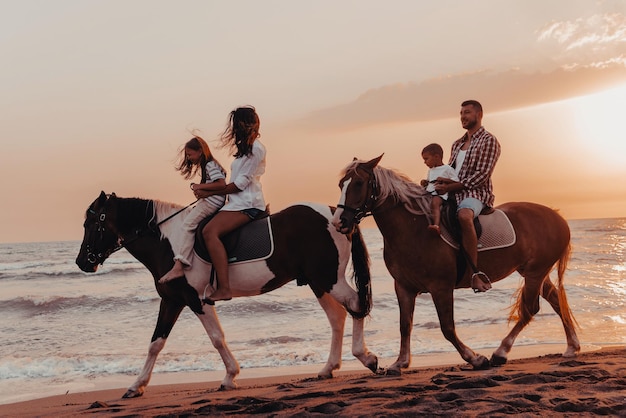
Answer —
354 159
102 198
373 163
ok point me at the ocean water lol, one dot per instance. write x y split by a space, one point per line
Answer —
62 329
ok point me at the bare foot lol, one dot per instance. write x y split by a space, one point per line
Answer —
220 294
176 272
480 282
435 229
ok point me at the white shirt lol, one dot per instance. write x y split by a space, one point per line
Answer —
460 158
245 173
444 171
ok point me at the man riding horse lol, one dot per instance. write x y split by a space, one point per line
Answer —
474 158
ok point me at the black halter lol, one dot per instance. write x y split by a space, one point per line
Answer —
367 207
98 258
151 226
121 241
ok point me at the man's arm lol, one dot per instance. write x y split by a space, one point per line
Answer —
445 185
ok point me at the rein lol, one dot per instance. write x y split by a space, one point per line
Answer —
140 232
137 234
176 213
417 207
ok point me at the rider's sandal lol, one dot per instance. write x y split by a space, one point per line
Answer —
483 277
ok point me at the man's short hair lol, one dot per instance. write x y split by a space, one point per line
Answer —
474 103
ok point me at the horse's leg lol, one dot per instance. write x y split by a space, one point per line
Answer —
406 303
444 303
346 296
168 314
550 293
215 332
526 306
336 314
359 349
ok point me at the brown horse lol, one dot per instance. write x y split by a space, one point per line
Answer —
421 262
306 247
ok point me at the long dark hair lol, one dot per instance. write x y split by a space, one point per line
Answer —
189 169
242 130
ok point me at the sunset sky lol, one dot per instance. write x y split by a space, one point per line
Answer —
100 95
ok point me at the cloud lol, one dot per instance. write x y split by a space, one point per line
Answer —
597 40
440 98
588 54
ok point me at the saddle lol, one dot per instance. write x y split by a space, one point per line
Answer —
253 241
493 229
450 222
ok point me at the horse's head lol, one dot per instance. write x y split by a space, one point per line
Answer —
101 237
358 194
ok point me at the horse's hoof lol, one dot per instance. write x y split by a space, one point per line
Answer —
373 366
130 393
325 376
393 372
497 360
482 363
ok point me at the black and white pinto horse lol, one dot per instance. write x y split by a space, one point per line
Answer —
306 247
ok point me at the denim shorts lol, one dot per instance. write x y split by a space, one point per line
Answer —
253 213
471 203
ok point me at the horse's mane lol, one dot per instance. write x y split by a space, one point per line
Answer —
164 209
396 185
173 225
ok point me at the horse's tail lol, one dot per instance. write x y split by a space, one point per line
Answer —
566 313
361 274
520 307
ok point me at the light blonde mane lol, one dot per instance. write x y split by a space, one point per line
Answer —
396 185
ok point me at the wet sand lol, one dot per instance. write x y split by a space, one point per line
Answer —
593 383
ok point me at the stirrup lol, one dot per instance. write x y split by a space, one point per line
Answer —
483 277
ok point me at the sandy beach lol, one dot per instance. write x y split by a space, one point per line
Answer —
593 383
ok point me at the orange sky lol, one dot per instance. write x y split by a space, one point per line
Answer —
99 96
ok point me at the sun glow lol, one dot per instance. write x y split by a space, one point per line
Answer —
599 120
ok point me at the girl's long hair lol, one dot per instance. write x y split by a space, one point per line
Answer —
189 169
242 130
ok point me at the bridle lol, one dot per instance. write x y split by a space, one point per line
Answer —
98 258
368 206
151 226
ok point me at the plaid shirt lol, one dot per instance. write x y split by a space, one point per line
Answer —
477 168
